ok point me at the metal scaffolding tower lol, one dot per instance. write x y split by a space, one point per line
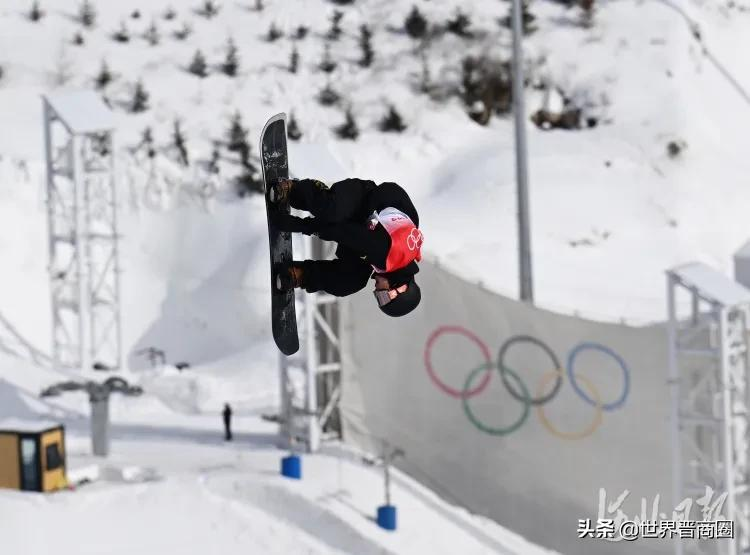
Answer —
83 241
708 372
310 412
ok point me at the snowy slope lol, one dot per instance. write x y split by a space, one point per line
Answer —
612 191
206 496
610 209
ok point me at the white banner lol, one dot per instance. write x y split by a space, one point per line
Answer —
534 419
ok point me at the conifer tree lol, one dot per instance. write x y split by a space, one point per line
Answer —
104 77
327 64
87 14
213 163
152 34
198 65
328 96
349 129
293 130
274 33
392 121
209 9
122 34
237 135
178 139
184 32
147 142
415 24
294 60
36 12
459 25
232 60
365 43
140 98
335 31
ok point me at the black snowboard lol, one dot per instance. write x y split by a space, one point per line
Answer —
273 156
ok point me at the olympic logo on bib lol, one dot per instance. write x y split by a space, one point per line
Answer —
547 389
415 239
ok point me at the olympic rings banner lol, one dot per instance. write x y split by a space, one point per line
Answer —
517 413
521 392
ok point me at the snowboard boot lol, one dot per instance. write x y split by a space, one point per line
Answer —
288 277
278 193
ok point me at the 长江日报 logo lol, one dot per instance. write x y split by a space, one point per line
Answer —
614 525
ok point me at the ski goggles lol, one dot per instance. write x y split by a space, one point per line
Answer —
384 296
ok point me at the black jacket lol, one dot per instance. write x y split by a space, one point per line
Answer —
353 234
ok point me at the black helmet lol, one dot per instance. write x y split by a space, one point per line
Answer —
405 302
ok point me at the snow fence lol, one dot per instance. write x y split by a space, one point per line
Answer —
578 416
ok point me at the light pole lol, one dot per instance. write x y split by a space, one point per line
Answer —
524 233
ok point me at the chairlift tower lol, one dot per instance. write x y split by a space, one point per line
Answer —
708 377
84 266
312 414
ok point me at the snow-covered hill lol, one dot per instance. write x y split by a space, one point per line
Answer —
611 209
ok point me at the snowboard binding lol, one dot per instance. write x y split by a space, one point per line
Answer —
288 277
278 193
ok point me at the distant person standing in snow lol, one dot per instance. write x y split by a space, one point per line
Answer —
227 414
377 231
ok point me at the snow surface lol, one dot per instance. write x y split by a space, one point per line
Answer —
31 426
610 212
82 111
172 485
711 284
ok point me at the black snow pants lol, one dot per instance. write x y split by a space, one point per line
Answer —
344 201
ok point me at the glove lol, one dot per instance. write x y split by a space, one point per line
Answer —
325 231
287 222
287 181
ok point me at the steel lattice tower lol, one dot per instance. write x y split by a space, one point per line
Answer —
708 362
84 266
312 415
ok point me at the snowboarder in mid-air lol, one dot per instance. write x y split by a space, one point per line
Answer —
377 231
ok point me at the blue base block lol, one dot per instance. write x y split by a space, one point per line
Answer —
387 517
291 467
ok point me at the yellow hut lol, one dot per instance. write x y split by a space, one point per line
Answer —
32 455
